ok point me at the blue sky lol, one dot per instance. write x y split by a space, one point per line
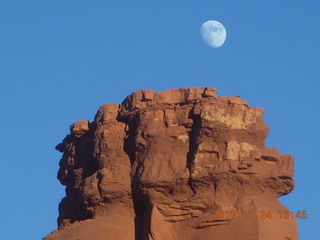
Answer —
61 60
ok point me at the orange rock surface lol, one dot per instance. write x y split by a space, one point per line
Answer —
178 164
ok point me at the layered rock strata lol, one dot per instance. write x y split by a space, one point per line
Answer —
178 164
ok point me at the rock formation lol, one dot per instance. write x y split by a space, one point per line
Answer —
178 164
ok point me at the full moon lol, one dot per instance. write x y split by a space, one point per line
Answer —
213 33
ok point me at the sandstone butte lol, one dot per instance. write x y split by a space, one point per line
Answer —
179 164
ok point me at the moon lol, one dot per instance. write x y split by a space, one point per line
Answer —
213 33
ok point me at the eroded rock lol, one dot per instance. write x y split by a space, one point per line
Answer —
160 165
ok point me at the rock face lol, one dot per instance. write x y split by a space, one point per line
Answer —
178 164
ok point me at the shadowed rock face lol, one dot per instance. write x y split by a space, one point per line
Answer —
161 166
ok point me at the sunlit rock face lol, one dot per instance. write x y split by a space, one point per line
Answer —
178 164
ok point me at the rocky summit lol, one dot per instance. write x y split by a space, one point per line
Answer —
182 164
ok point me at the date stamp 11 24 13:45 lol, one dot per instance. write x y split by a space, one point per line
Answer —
263 214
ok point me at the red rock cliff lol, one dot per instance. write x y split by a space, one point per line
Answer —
178 164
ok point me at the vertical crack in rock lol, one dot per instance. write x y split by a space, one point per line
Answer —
161 164
193 142
140 208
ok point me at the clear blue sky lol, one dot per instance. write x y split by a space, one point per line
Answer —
61 60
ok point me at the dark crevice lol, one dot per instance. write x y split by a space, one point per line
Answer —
130 139
142 208
142 219
91 164
193 145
